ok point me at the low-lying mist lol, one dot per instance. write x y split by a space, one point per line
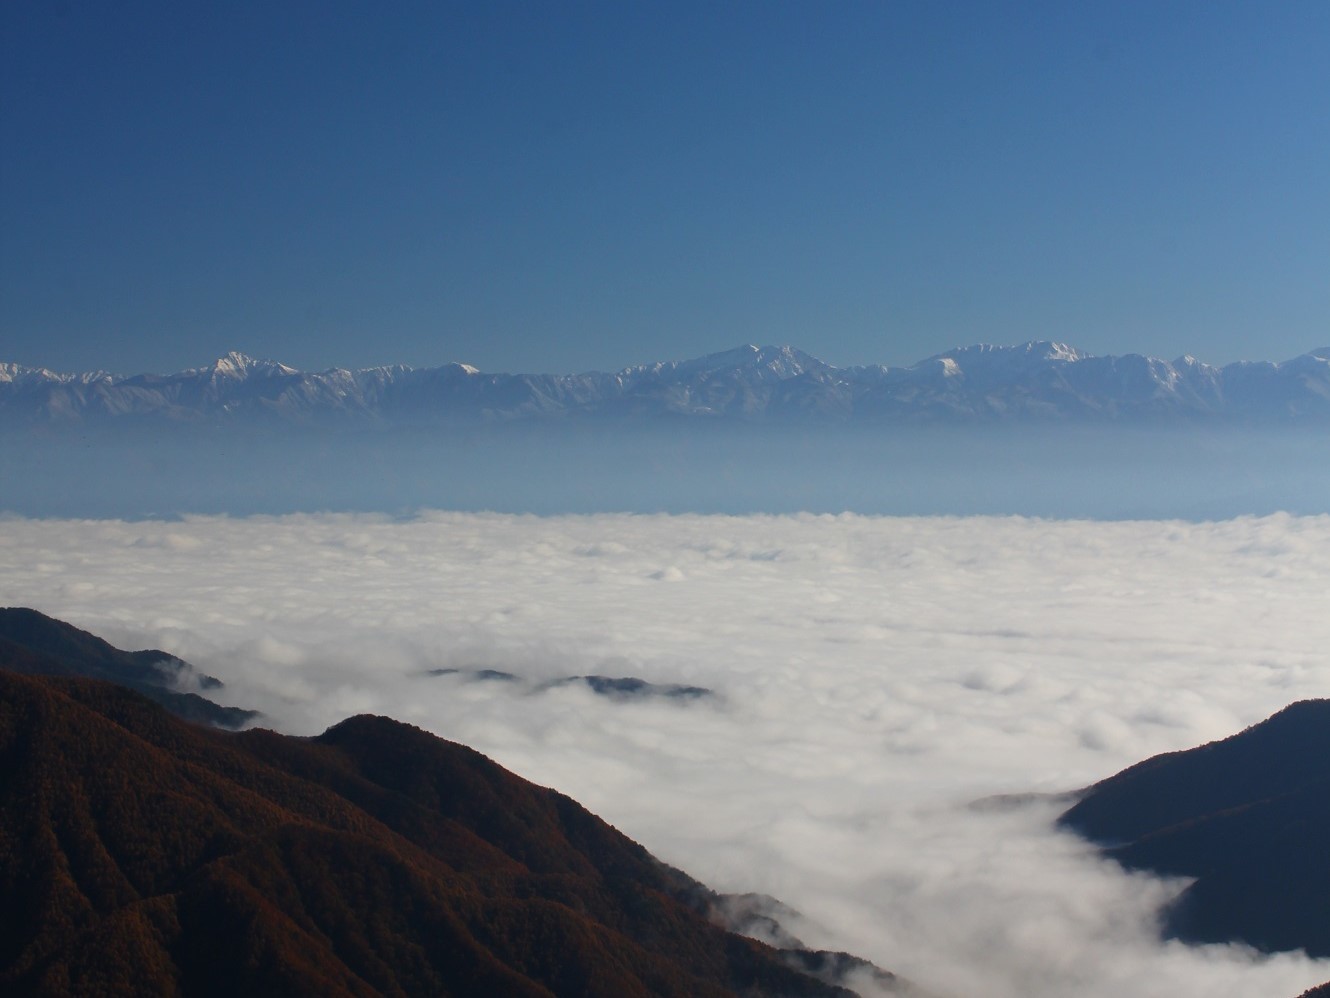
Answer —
872 678
1105 472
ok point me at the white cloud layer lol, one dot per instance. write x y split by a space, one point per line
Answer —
874 675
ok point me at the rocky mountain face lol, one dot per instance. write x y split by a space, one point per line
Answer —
1247 817
144 855
1038 381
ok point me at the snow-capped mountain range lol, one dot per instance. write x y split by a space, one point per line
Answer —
1037 381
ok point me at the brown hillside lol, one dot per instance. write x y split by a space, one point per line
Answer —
38 645
141 855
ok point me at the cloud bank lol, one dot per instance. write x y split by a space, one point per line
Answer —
873 677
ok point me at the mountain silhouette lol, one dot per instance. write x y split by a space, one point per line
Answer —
1248 817
143 855
35 644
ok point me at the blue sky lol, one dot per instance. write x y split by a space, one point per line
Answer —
560 187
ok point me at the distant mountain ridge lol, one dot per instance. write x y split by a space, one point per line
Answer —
1039 381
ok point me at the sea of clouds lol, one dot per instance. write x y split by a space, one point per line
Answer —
873 677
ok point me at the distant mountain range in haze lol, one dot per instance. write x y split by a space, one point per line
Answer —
1035 382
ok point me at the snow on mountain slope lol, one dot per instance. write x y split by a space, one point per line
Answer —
1041 381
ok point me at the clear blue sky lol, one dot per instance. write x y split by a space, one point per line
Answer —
564 186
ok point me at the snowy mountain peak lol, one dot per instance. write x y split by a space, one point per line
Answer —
235 364
14 374
768 363
1033 352
784 361
239 365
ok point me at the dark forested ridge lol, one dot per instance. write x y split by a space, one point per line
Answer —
38 645
1248 817
140 854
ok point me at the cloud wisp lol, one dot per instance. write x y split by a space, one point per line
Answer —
872 678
